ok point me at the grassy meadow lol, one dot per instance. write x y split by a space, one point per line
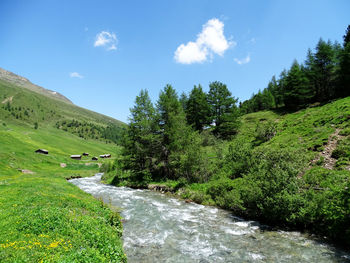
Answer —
44 218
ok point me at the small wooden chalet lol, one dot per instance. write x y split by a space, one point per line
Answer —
107 155
42 151
76 157
85 154
94 158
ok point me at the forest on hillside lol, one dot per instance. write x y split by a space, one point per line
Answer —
324 75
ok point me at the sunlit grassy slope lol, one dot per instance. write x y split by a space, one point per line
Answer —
41 109
44 218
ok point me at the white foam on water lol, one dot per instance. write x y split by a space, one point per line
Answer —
175 202
256 256
236 232
242 223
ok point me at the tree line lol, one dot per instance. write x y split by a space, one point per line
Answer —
324 75
163 140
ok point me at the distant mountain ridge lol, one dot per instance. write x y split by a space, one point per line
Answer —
24 103
27 84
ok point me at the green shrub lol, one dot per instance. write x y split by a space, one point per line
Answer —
342 149
345 132
238 158
265 131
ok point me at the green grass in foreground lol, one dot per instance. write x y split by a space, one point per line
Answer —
44 218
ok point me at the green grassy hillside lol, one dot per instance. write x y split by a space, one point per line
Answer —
287 169
24 107
43 218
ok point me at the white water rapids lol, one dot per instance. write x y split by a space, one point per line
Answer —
158 228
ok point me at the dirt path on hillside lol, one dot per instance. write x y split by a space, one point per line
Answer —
329 161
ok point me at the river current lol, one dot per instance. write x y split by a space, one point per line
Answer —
159 228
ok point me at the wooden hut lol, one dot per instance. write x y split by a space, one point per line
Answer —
94 158
107 155
42 151
76 157
85 154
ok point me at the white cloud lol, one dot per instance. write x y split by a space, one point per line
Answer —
243 60
191 53
210 41
106 39
75 75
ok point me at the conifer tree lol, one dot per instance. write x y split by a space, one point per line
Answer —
224 111
178 139
198 109
321 68
141 142
297 91
343 88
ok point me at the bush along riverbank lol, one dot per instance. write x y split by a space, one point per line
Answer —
288 170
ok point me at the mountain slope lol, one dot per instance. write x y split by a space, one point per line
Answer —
23 106
25 83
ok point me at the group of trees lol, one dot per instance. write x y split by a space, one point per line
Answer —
217 108
88 130
163 141
325 75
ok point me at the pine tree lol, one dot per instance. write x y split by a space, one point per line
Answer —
198 109
297 90
343 88
177 137
183 100
141 143
276 92
321 68
224 111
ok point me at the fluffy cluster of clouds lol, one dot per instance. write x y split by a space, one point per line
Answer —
209 42
107 40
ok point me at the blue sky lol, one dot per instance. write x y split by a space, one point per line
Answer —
100 54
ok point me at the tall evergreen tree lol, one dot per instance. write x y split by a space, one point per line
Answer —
224 111
198 109
346 37
343 88
183 100
178 139
277 94
141 142
171 121
321 68
297 91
